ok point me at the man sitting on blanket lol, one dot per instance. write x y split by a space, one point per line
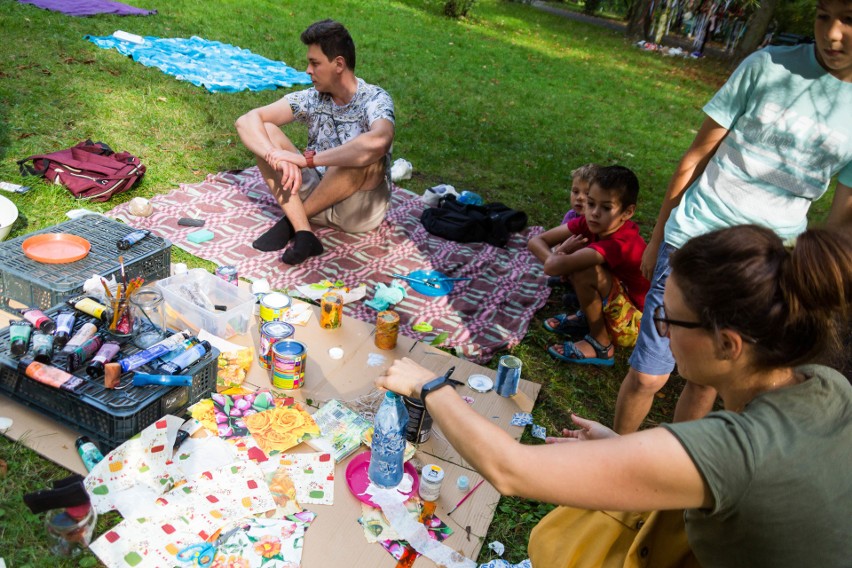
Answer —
343 178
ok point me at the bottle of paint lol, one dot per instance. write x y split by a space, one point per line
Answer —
113 371
105 354
388 447
86 332
40 321
64 327
89 452
89 305
430 489
185 359
131 239
42 347
19 337
50 376
81 354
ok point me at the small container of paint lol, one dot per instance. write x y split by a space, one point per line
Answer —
387 329
508 376
274 306
331 310
430 482
19 337
64 326
271 332
229 274
40 321
419 425
463 483
42 347
131 239
89 452
68 533
288 364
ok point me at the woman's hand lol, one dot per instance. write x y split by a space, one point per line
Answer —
588 430
405 377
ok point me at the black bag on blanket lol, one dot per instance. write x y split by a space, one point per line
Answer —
491 223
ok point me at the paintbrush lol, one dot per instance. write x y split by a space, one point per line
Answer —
106 288
466 497
123 274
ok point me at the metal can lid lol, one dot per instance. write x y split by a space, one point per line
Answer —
275 300
480 383
277 329
289 347
432 474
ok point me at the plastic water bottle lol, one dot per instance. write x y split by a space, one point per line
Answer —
386 464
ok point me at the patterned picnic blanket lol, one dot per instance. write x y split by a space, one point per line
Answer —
489 313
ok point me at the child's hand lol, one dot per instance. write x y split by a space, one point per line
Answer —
571 244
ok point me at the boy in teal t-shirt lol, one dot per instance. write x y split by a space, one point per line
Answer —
775 135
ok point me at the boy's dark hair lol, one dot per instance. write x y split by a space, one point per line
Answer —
620 180
334 40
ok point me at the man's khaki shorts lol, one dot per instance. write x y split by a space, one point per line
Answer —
361 212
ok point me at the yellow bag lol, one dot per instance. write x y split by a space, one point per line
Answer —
578 538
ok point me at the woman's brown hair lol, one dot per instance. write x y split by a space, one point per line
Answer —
793 301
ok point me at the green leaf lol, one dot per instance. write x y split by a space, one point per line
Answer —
88 562
440 338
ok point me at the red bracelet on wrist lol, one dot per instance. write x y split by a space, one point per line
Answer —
309 158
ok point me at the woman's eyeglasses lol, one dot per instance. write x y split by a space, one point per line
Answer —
662 323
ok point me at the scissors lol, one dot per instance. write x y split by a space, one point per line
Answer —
203 553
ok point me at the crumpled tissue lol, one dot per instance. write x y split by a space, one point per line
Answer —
385 295
401 169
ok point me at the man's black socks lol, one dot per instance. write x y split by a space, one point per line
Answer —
305 245
275 238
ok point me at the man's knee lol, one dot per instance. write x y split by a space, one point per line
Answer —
642 383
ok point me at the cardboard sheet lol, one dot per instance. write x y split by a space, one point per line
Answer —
344 378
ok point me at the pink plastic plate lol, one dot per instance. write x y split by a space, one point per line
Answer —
358 480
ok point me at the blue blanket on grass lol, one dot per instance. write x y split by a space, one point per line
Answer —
220 67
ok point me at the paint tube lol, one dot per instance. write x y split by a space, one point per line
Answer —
144 379
40 321
50 376
89 452
157 350
105 354
89 305
131 239
188 344
64 326
86 332
83 353
19 337
185 359
43 347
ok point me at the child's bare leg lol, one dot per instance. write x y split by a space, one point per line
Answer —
591 285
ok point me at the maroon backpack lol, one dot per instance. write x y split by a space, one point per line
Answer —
89 170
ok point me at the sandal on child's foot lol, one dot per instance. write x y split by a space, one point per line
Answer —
573 325
572 354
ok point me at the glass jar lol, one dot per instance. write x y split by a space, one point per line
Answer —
149 311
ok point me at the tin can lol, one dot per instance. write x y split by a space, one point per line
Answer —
331 311
288 364
229 274
274 306
272 332
508 376
419 425
387 329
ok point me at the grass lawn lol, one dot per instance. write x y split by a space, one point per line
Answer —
505 103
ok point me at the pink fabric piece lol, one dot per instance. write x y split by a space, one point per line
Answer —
483 316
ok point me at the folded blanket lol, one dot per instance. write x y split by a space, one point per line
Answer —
89 7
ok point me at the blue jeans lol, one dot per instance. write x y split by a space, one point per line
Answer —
652 354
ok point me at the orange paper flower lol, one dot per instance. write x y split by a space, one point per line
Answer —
268 546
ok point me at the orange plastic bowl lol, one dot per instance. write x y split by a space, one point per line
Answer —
56 248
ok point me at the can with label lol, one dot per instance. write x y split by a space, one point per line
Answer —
229 274
274 306
430 482
331 310
508 376
288 364
272 332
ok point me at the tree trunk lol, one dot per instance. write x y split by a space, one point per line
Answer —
640 20
757 26
662 23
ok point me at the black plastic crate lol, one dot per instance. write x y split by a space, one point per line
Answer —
44 285
108 416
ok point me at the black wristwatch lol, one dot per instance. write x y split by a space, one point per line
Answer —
437 383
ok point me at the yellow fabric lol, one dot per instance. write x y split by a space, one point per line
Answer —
577 538
621 316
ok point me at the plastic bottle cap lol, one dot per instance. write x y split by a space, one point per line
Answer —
463 483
